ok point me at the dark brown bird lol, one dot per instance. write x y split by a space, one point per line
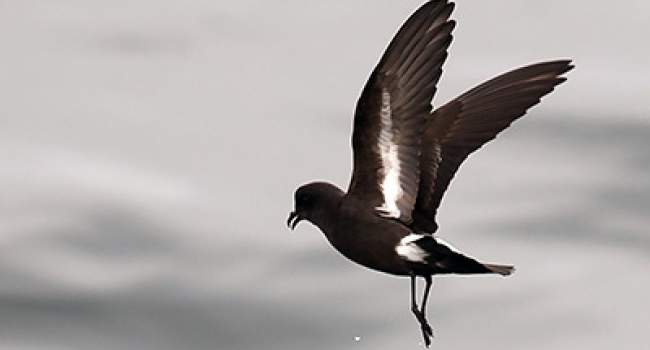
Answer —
405 156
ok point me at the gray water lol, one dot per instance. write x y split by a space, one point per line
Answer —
149 151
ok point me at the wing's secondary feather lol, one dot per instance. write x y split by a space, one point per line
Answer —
466 123
391 113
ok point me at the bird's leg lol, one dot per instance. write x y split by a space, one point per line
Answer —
423 306
424 325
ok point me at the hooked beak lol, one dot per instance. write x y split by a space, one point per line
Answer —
293 220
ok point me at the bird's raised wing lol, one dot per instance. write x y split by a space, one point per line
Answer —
392 110
468 122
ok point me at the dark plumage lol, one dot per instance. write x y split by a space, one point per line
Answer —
405 155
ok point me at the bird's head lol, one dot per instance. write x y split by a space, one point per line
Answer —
314 202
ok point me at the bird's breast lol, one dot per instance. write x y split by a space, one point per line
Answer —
371 243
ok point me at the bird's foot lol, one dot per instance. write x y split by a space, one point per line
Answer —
426 329
427 332
427 339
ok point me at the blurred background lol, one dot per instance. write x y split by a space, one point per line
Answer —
149 151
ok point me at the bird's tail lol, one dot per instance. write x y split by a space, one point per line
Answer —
503 270
443 258
459 263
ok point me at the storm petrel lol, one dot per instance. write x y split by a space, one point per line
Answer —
405 156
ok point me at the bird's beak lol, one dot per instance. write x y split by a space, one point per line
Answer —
293 220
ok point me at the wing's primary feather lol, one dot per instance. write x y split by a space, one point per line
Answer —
466 123
392 110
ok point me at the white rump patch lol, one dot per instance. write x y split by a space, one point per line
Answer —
388 151
409 250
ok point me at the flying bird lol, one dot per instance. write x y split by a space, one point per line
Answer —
406 154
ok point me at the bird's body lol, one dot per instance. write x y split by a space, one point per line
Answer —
386 245
405 155
347 230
